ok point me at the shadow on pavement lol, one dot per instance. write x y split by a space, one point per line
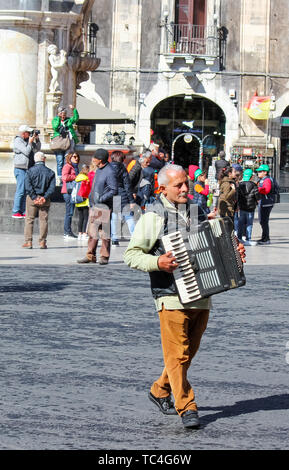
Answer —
7 258
34 287
271 403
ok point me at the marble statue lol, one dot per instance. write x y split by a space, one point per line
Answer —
58 63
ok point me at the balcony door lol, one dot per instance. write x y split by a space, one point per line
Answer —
191 12
190 26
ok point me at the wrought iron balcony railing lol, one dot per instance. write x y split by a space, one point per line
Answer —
191 39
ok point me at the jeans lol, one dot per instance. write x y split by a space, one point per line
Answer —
236 221
69 209
264 214
245 224
82 219
19 198
60 157
116 219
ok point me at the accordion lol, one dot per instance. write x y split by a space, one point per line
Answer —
208 260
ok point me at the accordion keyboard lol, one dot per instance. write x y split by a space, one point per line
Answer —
184 275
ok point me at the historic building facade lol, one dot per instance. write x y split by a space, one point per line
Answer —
166 62
47 49
171 67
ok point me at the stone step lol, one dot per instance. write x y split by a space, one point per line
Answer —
7 191
55 225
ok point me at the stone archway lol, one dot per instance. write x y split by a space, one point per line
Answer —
167 88
191 114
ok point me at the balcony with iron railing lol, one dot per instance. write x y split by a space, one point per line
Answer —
191 42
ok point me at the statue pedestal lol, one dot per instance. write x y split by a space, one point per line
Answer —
53 100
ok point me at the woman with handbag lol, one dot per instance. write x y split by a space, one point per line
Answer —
64 138
69 173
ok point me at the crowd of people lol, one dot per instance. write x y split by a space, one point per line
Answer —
126 186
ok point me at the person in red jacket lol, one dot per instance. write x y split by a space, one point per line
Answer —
69 173
265 188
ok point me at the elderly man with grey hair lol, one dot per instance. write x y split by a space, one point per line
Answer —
40 186
182 326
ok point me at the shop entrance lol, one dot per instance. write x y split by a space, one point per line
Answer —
189 114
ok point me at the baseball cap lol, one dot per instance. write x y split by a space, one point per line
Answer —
198 173
237 167
101 154
25 128
247 174
263 168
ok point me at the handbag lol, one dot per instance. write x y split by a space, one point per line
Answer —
69 186
60 143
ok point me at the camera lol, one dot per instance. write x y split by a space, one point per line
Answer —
35 132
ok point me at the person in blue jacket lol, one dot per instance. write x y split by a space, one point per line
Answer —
124 204
104 188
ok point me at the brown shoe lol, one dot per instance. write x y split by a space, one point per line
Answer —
27 245
103 260
43 245
86 260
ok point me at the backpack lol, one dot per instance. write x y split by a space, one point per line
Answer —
75 198
275 190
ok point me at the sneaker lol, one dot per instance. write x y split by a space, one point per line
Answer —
18 216
43 245
86 260
84 236
103 260
69 236
190 419
165 404
251 243
263 242
79 236
27 245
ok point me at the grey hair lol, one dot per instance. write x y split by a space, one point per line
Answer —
144 156
163 177
39 157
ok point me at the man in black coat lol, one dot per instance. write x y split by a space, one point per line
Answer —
123 205
221 163
39 185
248 197
104 188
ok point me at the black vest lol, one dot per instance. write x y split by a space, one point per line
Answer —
163 283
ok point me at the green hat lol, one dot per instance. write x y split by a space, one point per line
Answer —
263 168
247 174
198 173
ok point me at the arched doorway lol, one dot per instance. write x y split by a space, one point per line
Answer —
192 114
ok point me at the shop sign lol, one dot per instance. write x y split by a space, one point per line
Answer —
247 151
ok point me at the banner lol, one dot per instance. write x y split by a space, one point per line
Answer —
258 107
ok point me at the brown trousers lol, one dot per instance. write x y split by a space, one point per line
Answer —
98 228
31 212
181 333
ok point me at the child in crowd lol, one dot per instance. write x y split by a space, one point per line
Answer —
83 207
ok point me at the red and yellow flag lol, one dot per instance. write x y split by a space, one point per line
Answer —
258 107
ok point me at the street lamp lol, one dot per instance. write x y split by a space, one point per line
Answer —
109 137
116 138
122 135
